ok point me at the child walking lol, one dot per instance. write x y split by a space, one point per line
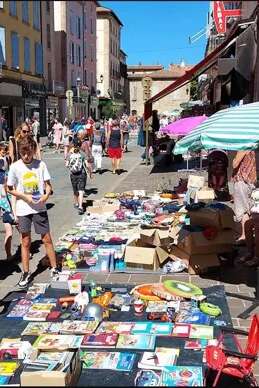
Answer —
27 180
78 174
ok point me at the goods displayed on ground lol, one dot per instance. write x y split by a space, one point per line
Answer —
73 335
173 231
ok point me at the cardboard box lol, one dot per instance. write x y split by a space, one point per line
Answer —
220 219
197 264
195 243
54 378
155 237
143 256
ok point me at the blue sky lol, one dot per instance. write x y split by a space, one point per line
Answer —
158 31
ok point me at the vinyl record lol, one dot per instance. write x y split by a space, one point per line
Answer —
183 289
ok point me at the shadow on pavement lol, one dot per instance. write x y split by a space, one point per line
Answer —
93 190
50 206
8 267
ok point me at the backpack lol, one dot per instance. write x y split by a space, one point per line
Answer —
76 163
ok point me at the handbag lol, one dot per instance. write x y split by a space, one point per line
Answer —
8 217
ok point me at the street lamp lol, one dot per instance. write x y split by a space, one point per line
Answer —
78 84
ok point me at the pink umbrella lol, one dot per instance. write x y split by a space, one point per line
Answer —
183 126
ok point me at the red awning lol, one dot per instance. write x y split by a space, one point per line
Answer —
198 69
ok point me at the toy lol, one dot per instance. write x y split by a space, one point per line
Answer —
184 289
103 300
144 292
82 300
210 309
94 310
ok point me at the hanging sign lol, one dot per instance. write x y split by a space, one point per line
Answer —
220 15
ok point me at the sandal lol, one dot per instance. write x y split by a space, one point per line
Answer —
244 259
252 263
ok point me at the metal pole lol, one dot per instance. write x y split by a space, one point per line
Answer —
147 147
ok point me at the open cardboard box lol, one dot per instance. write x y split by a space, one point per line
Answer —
195 243
220 219
155 237
197 264
105 208
54 378
143 256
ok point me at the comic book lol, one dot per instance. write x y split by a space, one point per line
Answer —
115 327
8 368
182 376
20 309
201 331
59 341
157 328
78 327
36 328
33 315
108 360
136 341
103 340
159 359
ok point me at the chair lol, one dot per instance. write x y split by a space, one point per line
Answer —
239 363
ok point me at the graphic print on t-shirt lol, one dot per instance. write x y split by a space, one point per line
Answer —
30 183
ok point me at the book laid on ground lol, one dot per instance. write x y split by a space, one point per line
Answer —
182 376
103 340
78 327
8 368
115 327
202 332
157 328
20 309
181 330
36 328
57 342
161 307
159 359
136 341
195 317
33 315
108 360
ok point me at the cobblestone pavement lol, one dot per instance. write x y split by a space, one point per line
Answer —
236 279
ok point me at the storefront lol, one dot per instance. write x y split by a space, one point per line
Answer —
52 110
11 105
35 103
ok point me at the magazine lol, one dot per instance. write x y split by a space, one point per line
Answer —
108 360
195 344
195 317
201 331
147 378
33 315
136 341
36 328
159 359
8 368
103 340
54 328
161 307
4 379
115 327
159 328
183 376
42 307
36 289
78 327
20 309
59 341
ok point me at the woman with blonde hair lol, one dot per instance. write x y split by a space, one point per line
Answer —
20 133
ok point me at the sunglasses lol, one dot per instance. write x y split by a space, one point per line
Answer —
23 131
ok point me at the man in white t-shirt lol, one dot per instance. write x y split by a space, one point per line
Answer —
28 178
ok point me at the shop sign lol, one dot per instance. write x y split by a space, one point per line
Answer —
146 84
69 96
220 15
33 90
52 102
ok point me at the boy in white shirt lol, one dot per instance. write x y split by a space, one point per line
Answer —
27 180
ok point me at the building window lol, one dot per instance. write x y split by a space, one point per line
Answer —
36 14
38 59
27 54
15 50
48 37
92 26
13 8
48 6
85 77
2 45
25 11
79 27
49 77
72 53
79 55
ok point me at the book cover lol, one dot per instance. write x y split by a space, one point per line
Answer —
136 341
196 344
33 315
159 328
8 368
201 331
54 328
182 376
108 360
42 307
4 379
53 342
103 340
195 317
115 327
52 356
78 327
20 309
147 378
159 359
36 328
181 330
161 307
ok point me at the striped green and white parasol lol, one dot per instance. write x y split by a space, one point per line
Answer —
235 129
